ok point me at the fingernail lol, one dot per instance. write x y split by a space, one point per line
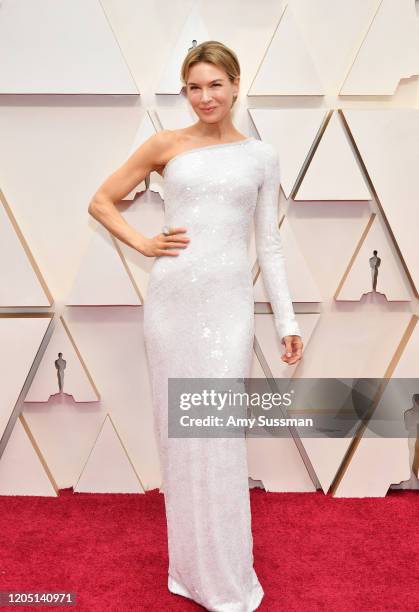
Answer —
288 354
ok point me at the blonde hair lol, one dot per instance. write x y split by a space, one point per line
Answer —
213 52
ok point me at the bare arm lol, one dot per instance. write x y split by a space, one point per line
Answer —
102 206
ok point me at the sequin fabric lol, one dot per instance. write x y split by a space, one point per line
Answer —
199 322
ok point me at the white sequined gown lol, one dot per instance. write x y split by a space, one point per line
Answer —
199 322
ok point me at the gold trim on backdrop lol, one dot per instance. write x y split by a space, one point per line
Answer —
39 453
122 444
358 435
29 255
354 255
79 355
311 153
380 206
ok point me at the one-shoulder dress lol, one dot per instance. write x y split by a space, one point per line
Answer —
199 323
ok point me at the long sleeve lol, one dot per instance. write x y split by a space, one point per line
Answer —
269 248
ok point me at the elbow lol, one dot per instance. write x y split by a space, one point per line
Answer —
91 209
94 210
95 204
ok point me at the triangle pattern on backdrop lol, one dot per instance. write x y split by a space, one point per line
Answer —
22 283
287 68
146 215
108 468
21 468
102 279
389 52
144 132
334 172
21 339
387 140
301 283
60 36
194 29
77 381
294 133
385 275
268 454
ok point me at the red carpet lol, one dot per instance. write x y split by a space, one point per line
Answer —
312 551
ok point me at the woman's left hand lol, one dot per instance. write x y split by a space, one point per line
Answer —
293 349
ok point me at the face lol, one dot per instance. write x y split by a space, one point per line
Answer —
208 87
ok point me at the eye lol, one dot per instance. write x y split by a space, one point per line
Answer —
215 85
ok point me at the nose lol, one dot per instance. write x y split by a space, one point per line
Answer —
205 95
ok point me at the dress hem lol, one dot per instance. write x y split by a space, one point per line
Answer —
177 588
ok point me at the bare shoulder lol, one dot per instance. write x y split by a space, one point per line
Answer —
150 156
163 145
157 145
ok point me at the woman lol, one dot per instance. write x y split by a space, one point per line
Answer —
199 316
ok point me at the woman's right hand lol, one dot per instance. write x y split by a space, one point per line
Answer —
159 245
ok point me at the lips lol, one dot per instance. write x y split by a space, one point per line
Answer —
207 110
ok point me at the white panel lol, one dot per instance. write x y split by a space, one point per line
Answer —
325 454
389 281
278 464
334 173
111 340
144 132
390 51
287 68
21 338
60 47
388 143
301 283
21 470
376 464
76 379
275 461
318 229
356 344
408 363
193 29
367 345
334 31
65 431
407 367
146 215
293 133
108 468
102 279
21 280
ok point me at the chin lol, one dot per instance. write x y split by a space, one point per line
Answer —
210 118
